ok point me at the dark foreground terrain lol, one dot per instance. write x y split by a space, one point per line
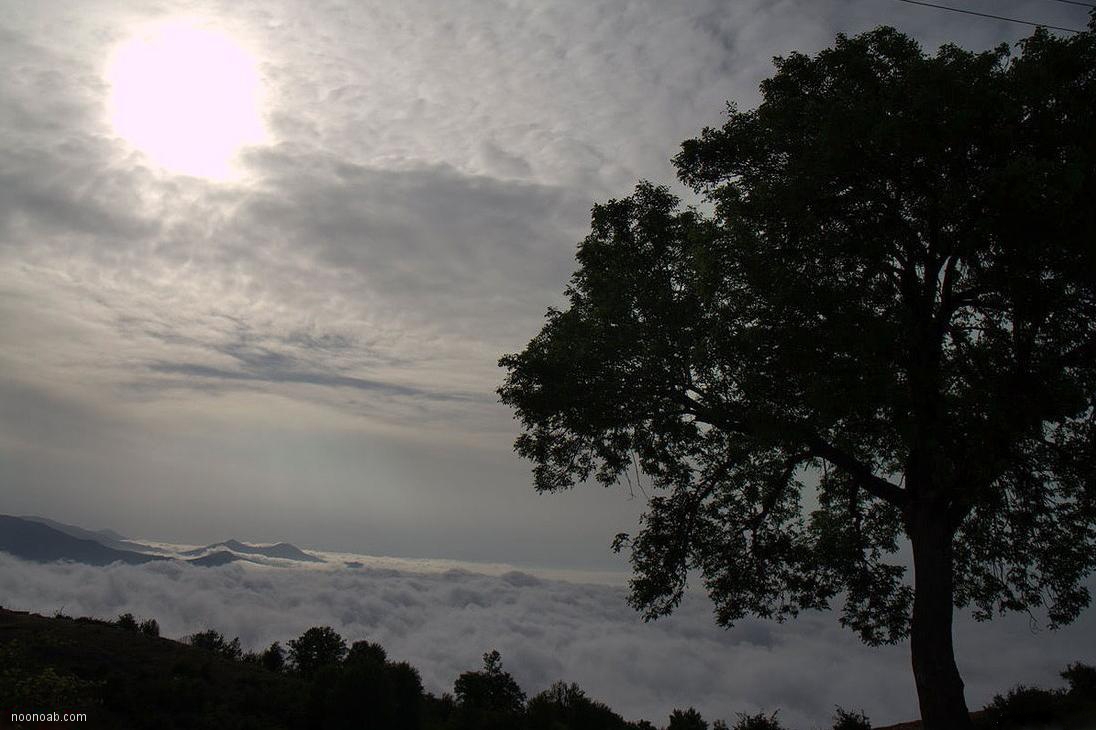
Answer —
121 674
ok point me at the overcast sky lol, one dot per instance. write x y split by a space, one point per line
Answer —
305 349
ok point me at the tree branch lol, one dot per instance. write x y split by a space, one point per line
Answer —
757 424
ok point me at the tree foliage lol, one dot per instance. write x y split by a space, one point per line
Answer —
318 647
892 306
566 706
688 719
491 689
215 642
882 327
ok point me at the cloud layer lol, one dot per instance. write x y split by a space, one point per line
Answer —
428 170
442 622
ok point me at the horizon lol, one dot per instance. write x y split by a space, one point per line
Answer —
325 344
258 266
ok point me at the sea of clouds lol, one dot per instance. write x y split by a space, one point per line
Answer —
442 621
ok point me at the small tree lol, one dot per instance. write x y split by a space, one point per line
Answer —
215 642
760 721
688 719
316 648
884 332
273 658
566 706
366 652
127 621
850 720
150 627
491 689
1081 678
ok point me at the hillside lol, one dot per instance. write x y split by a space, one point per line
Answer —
122 675
123 679
109 538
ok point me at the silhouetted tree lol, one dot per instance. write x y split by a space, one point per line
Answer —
405 693
688 719
126 621
367 691
150 627
885 330
566 707
318 647
489 697
1081 678
273 658
849 720
366 652
760 721
214 641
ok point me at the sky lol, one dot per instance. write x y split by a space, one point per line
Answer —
258 261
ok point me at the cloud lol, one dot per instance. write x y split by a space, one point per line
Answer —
442 622
311 351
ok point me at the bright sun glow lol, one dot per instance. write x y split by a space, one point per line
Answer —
187 97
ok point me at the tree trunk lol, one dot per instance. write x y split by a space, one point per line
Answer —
939 686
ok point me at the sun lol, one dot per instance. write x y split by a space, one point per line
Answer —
186 96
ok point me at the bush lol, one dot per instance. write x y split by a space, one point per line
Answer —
214 641
1081 678
127 621
1023 706
566 706
845 720
688 719
760 721
149 627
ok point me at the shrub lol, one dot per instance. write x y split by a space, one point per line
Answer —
127 621
566 706
760 721
149 627
1023 706
1081 678
214 641
845 720
688 719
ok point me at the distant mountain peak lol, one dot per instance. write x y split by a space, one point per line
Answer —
282 550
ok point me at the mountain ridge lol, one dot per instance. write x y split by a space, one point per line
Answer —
282 550
38 542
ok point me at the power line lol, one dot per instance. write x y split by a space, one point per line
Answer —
988 15
1076 2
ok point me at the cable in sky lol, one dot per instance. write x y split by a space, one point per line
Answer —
1075 2
988 15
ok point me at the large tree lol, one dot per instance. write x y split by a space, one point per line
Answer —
878 331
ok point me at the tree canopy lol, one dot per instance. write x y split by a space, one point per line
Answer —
880 326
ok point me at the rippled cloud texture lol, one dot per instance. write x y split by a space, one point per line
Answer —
309 349
442 622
